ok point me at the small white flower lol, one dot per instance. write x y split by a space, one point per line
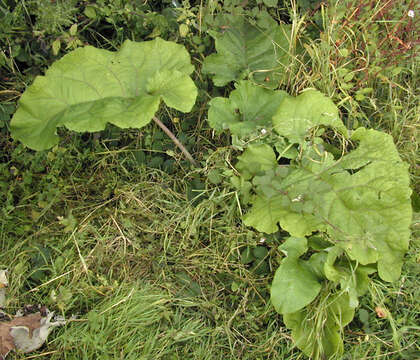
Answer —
298 198
263 131
262 240
410 13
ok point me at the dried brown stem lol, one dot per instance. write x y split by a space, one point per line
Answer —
176 141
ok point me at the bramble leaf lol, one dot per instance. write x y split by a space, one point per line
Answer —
245 51
90 87
248 107
294 285
297 115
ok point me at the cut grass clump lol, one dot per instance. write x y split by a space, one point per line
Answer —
138 323
147 236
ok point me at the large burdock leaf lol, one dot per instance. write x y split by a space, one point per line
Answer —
297 115
294 285
248 108
362 201
370 205
245 51
91 87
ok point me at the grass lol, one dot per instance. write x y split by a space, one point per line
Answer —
148 239
152 274
149 261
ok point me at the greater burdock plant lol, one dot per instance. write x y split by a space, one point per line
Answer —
342 197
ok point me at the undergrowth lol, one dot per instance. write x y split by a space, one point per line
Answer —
146 257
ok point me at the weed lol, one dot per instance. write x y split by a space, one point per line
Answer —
154 260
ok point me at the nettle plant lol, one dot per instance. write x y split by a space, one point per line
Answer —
344 200
90 87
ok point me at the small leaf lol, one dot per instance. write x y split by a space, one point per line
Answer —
270 3
256 158
73 30
344 52
247 256
90 12
364 317
183 30
294 285
215 177
56 45
260 252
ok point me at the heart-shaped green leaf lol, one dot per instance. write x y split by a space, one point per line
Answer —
297 115
248 107
245 51
294 285
90 87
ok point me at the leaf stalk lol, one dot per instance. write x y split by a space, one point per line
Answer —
176 141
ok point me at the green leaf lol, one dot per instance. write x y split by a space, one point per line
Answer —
260 252
266 213
331 273
244 187
353 278
270 3
90 12
56 45
256 158
248 107
245 51
362 201
316 264
90 87
297 115
247 256
370 210
317 331
73 30
294 285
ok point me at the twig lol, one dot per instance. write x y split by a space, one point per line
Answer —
176 141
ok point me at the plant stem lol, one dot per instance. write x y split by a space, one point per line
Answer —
176 141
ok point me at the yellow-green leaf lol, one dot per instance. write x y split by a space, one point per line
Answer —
90 87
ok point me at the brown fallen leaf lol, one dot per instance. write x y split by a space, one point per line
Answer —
26 333
31 322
